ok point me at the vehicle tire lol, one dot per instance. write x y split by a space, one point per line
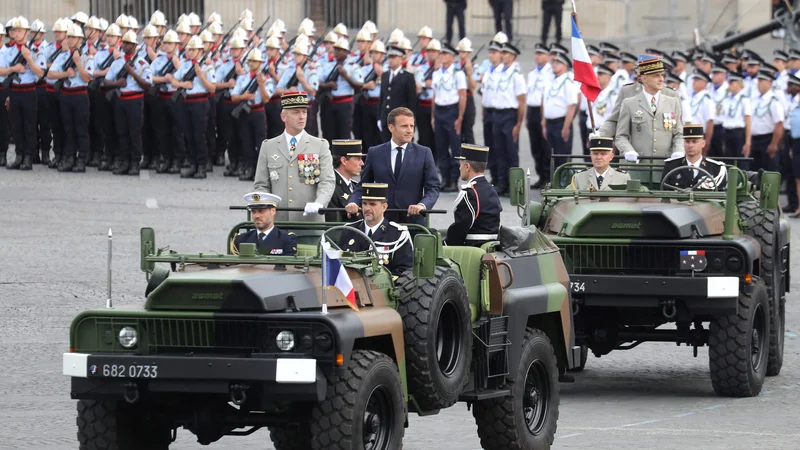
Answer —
763 226
117 425
584 358
291 437
738 346
438 333
364 409
527 419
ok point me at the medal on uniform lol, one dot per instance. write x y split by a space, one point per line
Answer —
669 121
273 175
639 127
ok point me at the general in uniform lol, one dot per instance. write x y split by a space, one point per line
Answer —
347 163
601 176
477 208
630 90
694 143
296 166
268 238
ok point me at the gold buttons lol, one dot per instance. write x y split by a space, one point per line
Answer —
291 165
290 188
290 200
290 177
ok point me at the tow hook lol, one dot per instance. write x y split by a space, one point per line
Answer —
239 394
131 393
668 309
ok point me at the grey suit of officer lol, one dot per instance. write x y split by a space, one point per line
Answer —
588 180
657 134
609 127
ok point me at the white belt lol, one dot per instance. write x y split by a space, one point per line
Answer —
481 237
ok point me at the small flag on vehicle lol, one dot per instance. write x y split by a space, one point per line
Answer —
336 276
693 260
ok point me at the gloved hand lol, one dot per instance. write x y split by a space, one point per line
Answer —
678 155
311 208
379 125
631 156
595 135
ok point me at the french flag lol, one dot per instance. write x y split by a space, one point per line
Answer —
336 274
582 66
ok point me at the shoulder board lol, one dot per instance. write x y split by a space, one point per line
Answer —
398 226
468 185
714 161
291 233
674 159
669 87
629 84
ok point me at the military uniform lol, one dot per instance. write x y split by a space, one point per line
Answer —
337 119
684 179
448 84
736 108
299 168
627 91
49 102
424 106
510 86
768 113
272 241
476 210
252 126
74 109
344 188
4 128
718 94
538 78
592 180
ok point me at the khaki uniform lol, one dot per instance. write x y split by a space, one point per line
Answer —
285 175
657 134
609 127
587 179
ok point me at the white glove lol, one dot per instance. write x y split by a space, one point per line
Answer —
631 156
677 155
595 135
379 125
311 208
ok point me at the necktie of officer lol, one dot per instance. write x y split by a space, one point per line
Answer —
292 146
369 233
262 236
653 104
600 181
398 162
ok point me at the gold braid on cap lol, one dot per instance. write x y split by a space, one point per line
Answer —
294 101
650 67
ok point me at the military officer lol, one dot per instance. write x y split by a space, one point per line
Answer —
650 111
128 106
693 137
268 238
340 80
601 176
347 163
294 165
51 101
477 208
22 105
559 107
538 78
392 240
508 114
767 123
738 120
251 126
170 138
450 102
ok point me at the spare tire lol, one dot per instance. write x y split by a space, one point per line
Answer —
438 337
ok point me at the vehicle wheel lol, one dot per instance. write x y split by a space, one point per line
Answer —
438 333
291 437
584 358
763 225
116 425
363 409
738 346
527 420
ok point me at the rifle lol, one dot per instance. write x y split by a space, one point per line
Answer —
70 64
371 76
123 73
190 75
168 68
293 79
50 61
258 31
17 60
475 55
105 64
251 88
226 92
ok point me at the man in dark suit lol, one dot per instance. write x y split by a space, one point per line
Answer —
408 169
347 163
398 89
693 143
477 208
268 238
392 240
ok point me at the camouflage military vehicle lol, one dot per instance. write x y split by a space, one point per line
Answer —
226 344
661 264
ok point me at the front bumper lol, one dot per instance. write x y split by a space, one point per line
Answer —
96 375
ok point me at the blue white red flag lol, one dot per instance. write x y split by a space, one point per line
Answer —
336 274
582 66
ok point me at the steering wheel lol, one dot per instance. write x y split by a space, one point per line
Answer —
690 188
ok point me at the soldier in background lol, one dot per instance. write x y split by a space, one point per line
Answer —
149 125
301 76
423 111
718 90
486 74
371 95
701 106
464 64
101 114
251 127
272 108
170 129
4 140
398 90
508 115
559 108
477 209
767 124
340 81
49 100
44 133
227 137
450 102
738 120
211 123
360 59
347 163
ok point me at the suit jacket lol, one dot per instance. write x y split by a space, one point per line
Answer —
587 180
418 181
340 199
609 127
398 262
685 178
658 134
402 92
281 174
278 242
476 211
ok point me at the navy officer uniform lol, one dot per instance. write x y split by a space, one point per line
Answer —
477 208
392 240
343 188
272 241
681 179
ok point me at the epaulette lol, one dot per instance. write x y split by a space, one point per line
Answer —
468 185
669 87
674 158
398 226
629 84
290 233
719 163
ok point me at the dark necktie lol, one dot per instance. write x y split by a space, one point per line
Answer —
398 162
600 181
369 233
261 237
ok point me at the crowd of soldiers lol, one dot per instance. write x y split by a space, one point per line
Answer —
124 98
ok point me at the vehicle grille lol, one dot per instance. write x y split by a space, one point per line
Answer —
612 259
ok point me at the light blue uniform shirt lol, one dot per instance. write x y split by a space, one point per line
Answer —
76 81
485 66
3 64
365 72
312 78
243 80
27 77
140 66
427 93
49 51
224 68
197 85
343 88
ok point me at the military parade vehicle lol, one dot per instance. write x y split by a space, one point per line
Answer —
650 262
226 344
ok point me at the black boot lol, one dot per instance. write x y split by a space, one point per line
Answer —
3 160
67 164
46 157
35 159
121 168
27 163
241 168
230 171
153 164
55 162
186 163
144 162
15 165
174 168
94 161
249 174
80 165
189 172
163 167
104 166
220 160
209 167
133 171
201 173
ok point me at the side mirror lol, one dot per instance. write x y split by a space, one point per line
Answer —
425 256
516 183
148 248
770 188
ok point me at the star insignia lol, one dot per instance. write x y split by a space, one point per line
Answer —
345 196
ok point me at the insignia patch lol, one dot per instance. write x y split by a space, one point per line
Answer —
275 157
639 113
345 196
256 197
273 175
352 241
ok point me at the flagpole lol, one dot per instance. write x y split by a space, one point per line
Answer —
323 273
588 103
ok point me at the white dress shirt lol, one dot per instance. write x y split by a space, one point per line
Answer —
266 233
538 78
702 108
368 228
648 97
289 137
736 108
602 107
559 95
446 84
767 112
489 86
510 84
718 95
394 152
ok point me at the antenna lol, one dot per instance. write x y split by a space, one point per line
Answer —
108 301
527 219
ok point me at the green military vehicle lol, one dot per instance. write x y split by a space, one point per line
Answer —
653 262
227 344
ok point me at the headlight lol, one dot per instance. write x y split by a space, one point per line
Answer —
127 337
285 340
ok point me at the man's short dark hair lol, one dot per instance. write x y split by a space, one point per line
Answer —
401 111
477 166
337 160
